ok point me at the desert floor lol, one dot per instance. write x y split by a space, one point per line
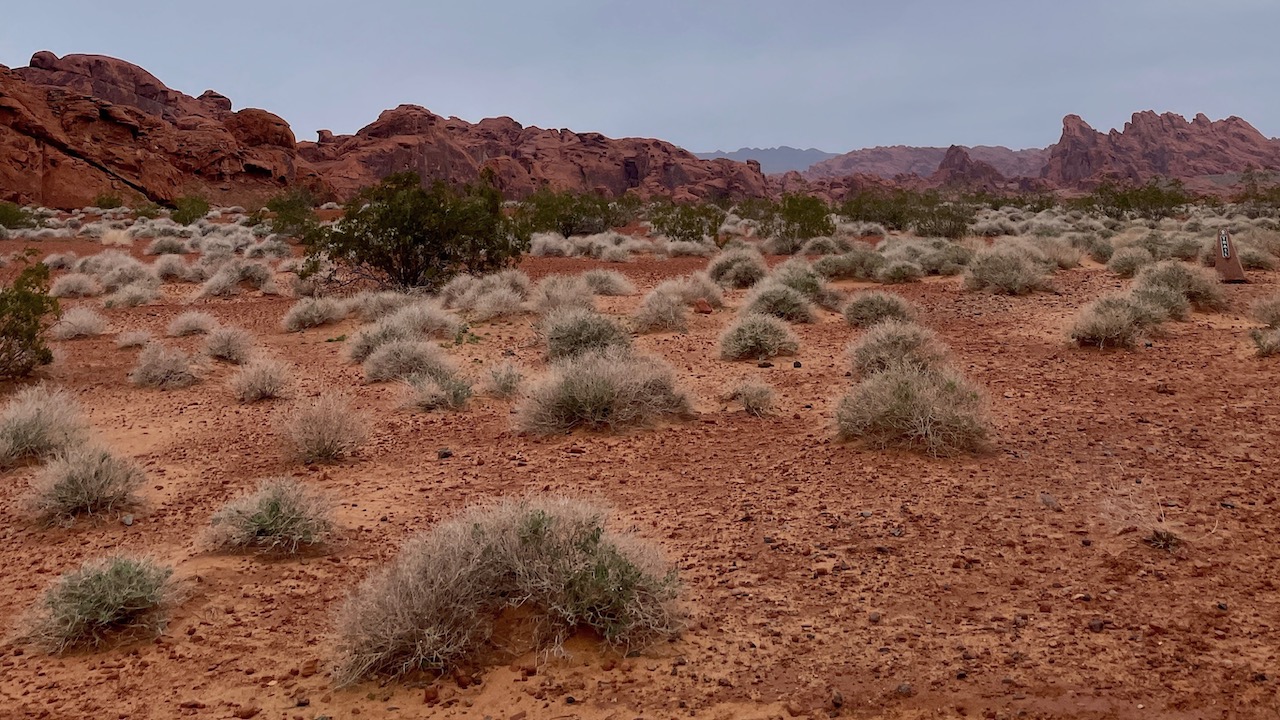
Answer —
820 578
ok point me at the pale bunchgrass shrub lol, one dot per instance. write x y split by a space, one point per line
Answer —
132 295
1200 287
59 261
75 285
757 337
1170 304
435 605
400 359
1060 252
613 390
132 339
692 288
757 398
549 245
1267 311
563 291
569 332
260 379
859 263
770 297
1266 342
428 392
313 312
192 322
171 267
84 480
1006 271
39 422
738 268
369 306
503 292
896 342
660 312
281 516
822 246
117 597
935 410
505 380
608 283
167 246
78 323
684 248
869 308
418 321
898 272
164 368
1118 321
496 303
1127 261
325 429
229 344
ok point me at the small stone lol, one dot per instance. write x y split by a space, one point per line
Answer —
1097 625
796 364
444 453
874 618
127 519
794 709
702 307
837 700
906 690
569 700
244 712
764 364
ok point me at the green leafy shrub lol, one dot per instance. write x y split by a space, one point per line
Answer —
295 214
26 313
933 409
100 600
435 605
280 516
188 209
569 213
798 218
14 217
107 201
687 222
757 337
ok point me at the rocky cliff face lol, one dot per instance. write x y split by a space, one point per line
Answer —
522 159
1153 145
888 162
75 127
958 169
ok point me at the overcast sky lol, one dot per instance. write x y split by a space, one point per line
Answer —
705 74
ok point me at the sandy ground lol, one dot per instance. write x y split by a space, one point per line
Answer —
821 579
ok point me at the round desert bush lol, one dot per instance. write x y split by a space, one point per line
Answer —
822 246
505 379
84 480
370 306
1168 303
570 332
498 302
757 398
612 389
549 244
896 272
1199 287
1267 342
191 323
756 337
896 342
170 267
38 422
1127 261
660 312
103 598
692 288
1005 270
428 392
59 261
313 312
1059 252
1116 321
435 605
400 359
132 339
167 246
1251 258
770 297
325 429
78 323
563 291
75 285
860 263
800 276
931 409
260 380
229 344
608 282
280 516
132 295
1267 311
738 268
420 320
868 308
163 367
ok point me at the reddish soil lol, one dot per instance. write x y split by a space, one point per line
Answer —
822 579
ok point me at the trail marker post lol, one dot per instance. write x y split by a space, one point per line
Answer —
1225 260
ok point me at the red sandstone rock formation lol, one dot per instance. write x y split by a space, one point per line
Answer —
888 162
960 170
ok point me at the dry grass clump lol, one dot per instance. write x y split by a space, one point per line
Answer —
435 605
59 261
661 312
859 263
281 516
1118 321
899 272
613 389
75 285
757 398
370 306
400 359
869 308
84 480
1169 303
1059 252
421 320
167 246
933 409
1199 287
563 291
229 344
226 280
738 268
112 597
500 294
505 379
430 392
692 288
608 282
39 422
260 380
1006 270
325 429
132 295
78 323
1267 311
313 312
770 297
757 337
191 323
170 267
1267 342
896 342
132 339
570 332
164 368
1127 261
